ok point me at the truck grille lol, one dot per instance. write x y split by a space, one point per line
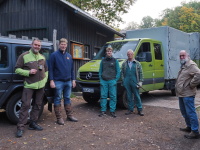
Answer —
89 75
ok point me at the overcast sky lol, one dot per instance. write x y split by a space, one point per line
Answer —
151 8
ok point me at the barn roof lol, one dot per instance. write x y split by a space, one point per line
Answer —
89 17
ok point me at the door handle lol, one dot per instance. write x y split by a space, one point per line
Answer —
161 65
4 81
150 65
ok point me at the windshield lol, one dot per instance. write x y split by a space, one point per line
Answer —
119 49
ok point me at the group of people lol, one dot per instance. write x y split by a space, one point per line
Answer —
132 78
32 65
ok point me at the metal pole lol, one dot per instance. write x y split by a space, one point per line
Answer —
54 39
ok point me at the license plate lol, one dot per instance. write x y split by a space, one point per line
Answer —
88 90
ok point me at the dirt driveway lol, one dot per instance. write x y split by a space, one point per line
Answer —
157 130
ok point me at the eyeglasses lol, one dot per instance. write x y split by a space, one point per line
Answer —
182 55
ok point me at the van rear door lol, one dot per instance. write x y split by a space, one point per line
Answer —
5 68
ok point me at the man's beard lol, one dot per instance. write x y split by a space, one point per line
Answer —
35 51
183 61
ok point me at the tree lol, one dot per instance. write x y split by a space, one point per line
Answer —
108 11
185 17
131 26
147 22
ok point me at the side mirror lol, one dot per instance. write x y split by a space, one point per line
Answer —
148 57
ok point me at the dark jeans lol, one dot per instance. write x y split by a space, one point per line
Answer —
188 111
26 105
62 91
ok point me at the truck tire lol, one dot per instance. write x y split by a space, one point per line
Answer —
122 100
13 108
145 93
173 92
90 98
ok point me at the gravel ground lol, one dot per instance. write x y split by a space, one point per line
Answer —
157 130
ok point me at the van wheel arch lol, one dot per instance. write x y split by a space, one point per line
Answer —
89 98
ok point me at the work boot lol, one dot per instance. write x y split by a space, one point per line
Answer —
113 114
140 113
57 110
34 126
129 112
19 133
68 109
192 135
103 113
186 129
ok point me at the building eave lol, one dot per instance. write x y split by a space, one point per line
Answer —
89 17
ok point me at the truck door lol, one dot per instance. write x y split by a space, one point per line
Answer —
5 68
159 66
147 65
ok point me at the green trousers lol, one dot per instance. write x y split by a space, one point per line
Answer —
108 89
131 89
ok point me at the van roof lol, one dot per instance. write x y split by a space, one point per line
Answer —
4 39
133 39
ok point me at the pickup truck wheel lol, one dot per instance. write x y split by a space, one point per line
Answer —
173 92
90 98
122 100
13 108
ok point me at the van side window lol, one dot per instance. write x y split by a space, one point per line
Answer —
144 49
157 51
3 56
20 50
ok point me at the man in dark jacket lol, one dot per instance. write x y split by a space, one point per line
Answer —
61 75
109 73
31 65
187 80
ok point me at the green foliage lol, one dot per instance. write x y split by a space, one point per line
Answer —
72 95
108 11
131 26
185 17
147 22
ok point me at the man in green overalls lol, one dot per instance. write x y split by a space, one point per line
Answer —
132 78
109 73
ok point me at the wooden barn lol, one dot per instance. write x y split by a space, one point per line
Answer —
39 18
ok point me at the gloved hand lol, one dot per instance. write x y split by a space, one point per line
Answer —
139 85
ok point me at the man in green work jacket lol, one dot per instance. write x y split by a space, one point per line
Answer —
132 78
31 65
109 73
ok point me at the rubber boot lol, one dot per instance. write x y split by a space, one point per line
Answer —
193 135
57 110
68 109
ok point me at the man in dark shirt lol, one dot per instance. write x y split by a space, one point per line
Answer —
109 73
61 75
